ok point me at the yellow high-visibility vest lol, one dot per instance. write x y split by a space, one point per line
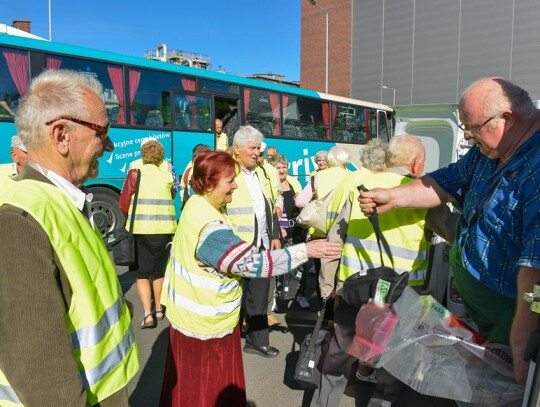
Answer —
199 301
402 228
155 213
98 320
342 192
327 180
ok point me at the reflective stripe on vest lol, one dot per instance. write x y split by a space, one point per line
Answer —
155 213
240 210
403 229
198 300
98 319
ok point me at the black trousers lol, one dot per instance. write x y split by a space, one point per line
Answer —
255 310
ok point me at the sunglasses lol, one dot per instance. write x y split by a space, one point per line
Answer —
101 131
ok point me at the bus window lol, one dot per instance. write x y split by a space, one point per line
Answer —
305 118
192 112
13 80
382 127
349 124
110 76
261 110
150 104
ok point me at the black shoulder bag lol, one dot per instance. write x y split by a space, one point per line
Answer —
307 372
122 241
358 289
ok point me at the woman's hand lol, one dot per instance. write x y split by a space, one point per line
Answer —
321 248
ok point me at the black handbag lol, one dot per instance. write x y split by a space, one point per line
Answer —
358 289
307 372
121 241
287 286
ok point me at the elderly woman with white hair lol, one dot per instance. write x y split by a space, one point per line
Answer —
323 182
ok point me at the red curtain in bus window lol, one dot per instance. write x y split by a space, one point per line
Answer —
54 63
367 124
285 101
274 103
246 103
134 79
190 84
326 119
17 63
117 83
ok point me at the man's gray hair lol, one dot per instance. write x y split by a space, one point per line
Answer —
403 149
52 94
247 134
373 155
338 157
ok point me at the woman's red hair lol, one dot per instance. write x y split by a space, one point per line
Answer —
208 169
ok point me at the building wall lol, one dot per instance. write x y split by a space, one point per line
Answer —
313 46
429 51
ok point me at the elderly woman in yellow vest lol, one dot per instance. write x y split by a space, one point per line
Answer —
203 290
153 226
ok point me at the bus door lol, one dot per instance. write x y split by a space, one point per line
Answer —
192 124
227 109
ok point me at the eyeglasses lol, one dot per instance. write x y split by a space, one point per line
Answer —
474 130
101 131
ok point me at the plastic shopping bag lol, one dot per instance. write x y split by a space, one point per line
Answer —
434 354
375 325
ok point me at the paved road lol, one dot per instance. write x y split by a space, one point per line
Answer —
269 382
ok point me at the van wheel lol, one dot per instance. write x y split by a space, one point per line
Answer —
107 216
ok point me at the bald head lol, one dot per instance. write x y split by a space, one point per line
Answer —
407 151
490 96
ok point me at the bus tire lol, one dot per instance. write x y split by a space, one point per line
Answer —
105 212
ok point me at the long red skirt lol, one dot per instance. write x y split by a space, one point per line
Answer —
204 373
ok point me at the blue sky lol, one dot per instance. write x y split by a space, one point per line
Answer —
242 36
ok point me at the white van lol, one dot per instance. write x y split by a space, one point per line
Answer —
437 126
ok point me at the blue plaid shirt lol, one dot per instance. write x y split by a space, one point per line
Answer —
501 213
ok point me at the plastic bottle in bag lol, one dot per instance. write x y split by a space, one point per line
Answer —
375 323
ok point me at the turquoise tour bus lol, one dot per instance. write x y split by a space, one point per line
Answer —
178 104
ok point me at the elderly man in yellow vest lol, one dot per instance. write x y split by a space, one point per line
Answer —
253 220
66 330
409 241
19 156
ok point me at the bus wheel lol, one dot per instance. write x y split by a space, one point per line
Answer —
107 216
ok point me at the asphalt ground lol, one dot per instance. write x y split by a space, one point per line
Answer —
269 382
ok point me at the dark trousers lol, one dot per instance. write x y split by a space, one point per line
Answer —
255 309
337 361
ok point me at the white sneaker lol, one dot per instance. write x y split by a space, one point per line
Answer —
302 302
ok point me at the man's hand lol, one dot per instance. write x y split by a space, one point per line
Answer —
379 198
275 244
